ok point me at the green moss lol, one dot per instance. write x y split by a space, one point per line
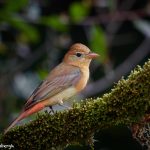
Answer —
127 102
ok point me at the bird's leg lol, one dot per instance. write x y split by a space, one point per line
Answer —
62 104
51 109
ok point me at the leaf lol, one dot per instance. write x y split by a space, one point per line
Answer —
28 30
15 5
42 73
54 22
78 11
98 42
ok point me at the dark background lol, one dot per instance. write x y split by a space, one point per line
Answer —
35 35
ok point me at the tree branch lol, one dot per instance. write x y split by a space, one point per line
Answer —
127 103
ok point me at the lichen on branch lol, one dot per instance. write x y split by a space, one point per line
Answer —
126 103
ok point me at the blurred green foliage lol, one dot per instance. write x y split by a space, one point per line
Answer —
14 6
30 32
55 22
78 11
9 15
98 42
42 73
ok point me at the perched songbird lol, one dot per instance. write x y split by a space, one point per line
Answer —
64 81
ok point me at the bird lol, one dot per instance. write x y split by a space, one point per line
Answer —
64 81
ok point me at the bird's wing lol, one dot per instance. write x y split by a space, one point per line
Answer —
57 81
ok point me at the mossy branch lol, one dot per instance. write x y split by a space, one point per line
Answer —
127 102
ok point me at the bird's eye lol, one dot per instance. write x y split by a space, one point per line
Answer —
78 54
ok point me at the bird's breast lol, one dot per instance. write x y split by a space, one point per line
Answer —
83 80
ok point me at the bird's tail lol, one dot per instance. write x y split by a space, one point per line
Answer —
20 117
25 114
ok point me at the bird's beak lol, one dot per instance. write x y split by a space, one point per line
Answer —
92 55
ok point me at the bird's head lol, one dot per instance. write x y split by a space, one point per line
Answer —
79 55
